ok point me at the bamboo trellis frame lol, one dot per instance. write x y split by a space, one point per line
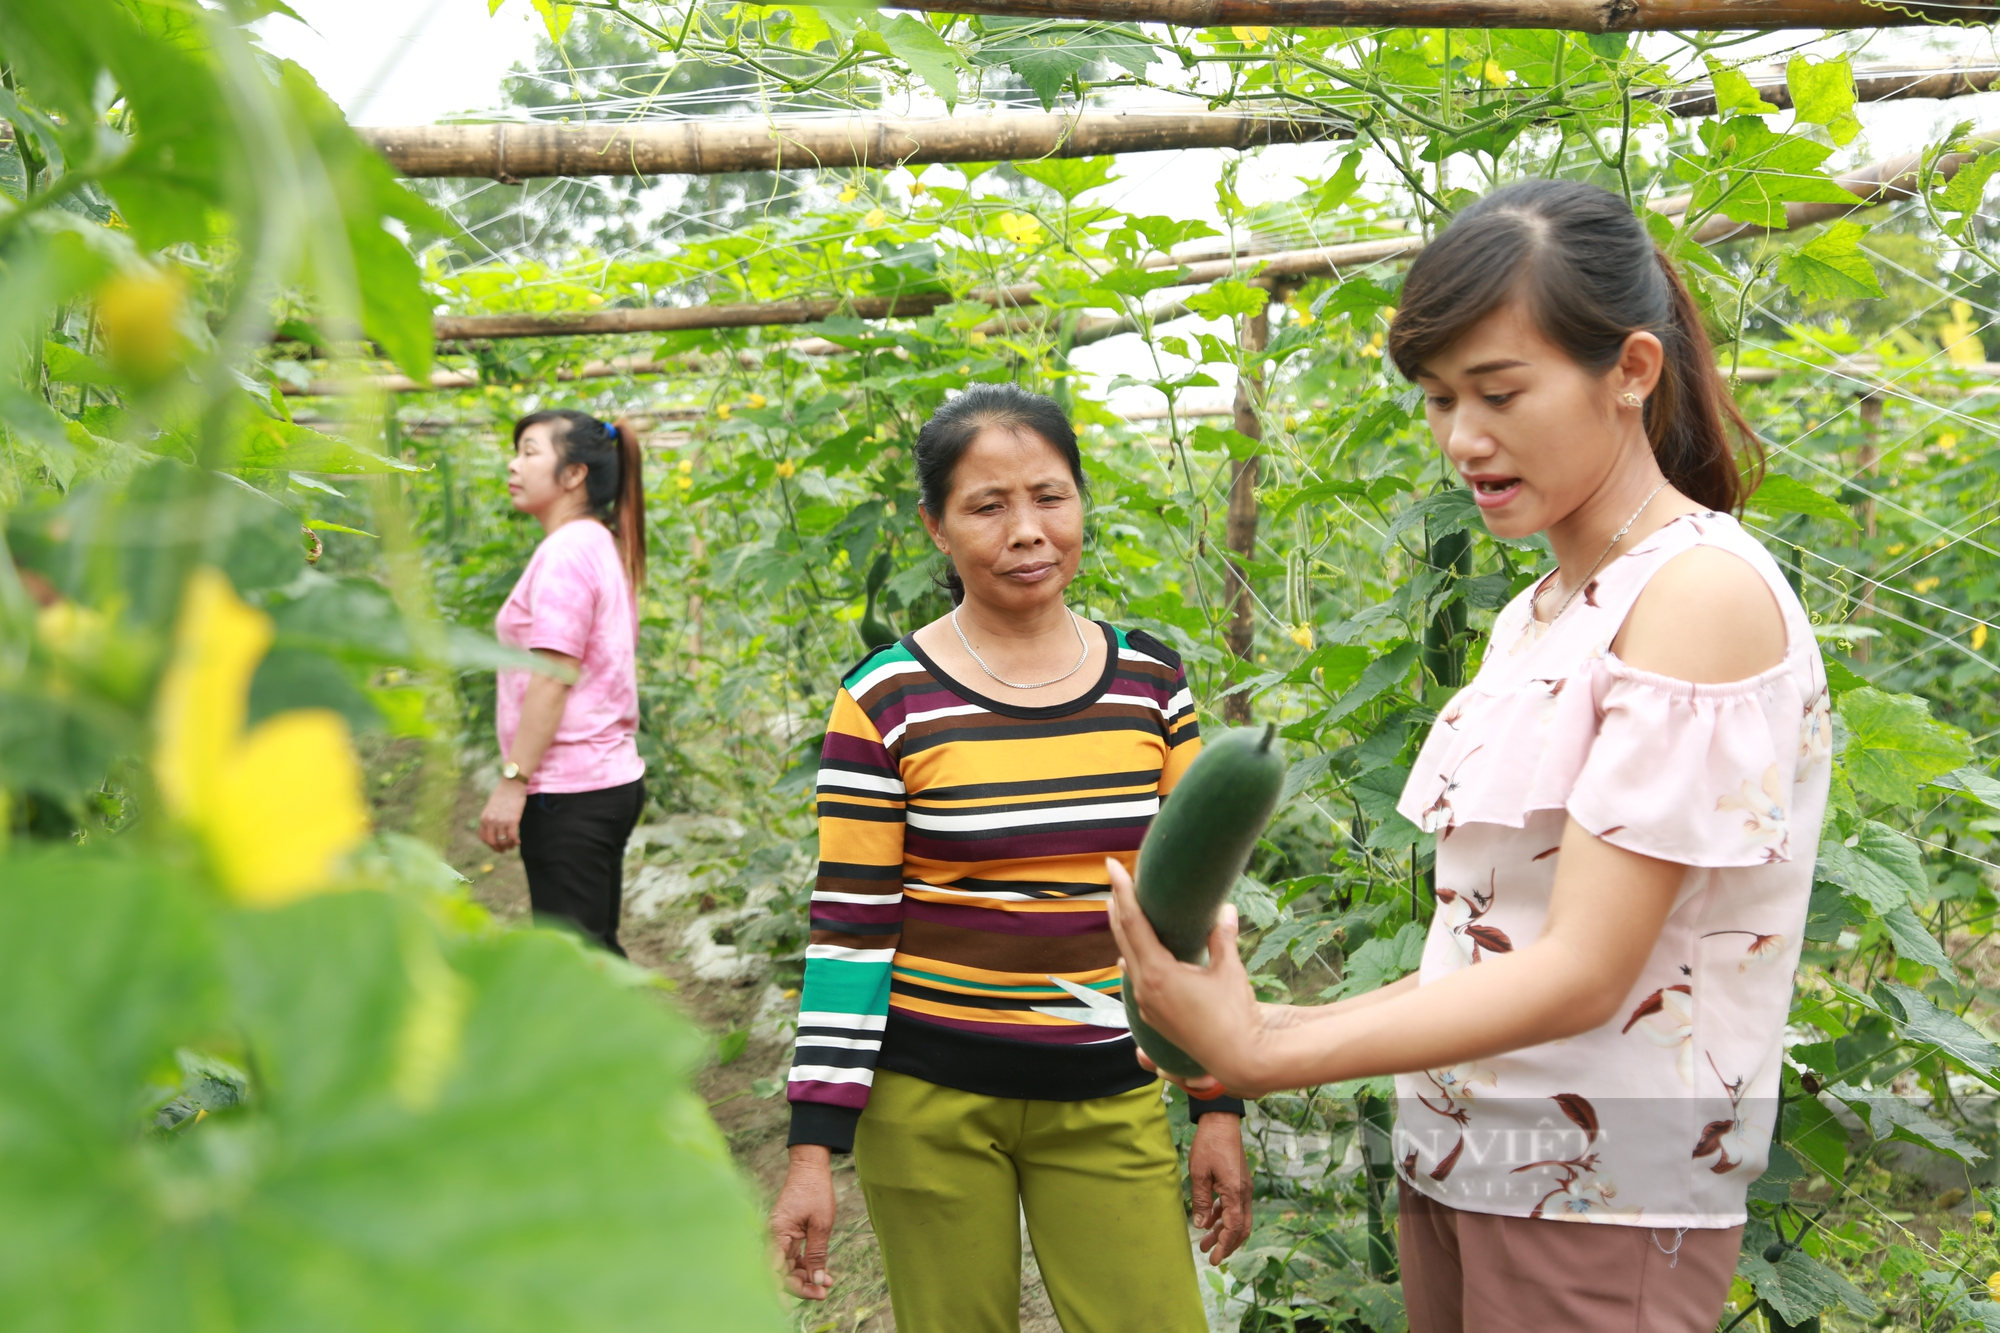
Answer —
1873 184
517 151
1600 16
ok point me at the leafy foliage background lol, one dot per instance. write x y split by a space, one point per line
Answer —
155 245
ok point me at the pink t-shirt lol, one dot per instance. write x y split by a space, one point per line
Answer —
574 599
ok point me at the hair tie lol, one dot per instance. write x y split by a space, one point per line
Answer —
610 431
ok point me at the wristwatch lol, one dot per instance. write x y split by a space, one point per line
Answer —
511 771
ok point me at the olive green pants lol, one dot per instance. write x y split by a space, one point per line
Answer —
948 1175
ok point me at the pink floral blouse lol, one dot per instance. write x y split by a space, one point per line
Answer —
1663 1116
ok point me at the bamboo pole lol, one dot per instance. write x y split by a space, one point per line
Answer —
1876 183
1566 15
1872 83
1284 266
516 151
712 145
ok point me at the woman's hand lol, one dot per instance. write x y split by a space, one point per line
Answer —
1221 1180
1209 1012
802 1222
500 821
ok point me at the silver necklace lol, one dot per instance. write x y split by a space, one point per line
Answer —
1082 657
1584 582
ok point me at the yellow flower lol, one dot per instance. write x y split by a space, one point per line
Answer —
1947 442
1020 228
1961 337
276 807
1495 76
1993 1286
1374 347
976 338
1979 636
1305 319
755 401
722 410
685 483
1249 35
686 466
786 468
848 195
1895 549
140 311
875 218
1922 586
1302 635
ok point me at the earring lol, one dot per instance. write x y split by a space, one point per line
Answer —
1629 398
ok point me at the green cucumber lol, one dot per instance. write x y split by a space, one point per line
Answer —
875 631
1197 848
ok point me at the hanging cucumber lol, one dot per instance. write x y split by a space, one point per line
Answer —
1195 851
877 632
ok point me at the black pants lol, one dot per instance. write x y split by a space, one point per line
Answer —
573 845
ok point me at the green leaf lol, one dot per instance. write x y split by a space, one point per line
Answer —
1831 265
1890 1116
1441 514
729 1047
1340 186
1894 747
1915 943
270 445
1383 673
928 55
1734 93
1823 94
1227 299
1226 438
1045 60
1751 173
1966 190
1357 296
1381 961
1974 783
496 1135
1922 1022
1780 494
1883 869
66 365
1799 1286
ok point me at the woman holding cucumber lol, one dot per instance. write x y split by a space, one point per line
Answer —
1626 800
960 1029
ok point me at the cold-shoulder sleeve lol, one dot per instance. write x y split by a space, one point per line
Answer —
1701 775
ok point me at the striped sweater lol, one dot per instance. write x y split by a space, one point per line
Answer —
962 848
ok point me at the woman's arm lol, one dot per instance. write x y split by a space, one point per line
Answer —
541 715
1605 915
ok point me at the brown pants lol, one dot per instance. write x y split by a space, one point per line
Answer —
1466 1272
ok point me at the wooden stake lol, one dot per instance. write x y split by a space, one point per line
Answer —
1240 531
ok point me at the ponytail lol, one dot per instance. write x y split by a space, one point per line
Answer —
1590 276
609 453
1691 412
629 509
